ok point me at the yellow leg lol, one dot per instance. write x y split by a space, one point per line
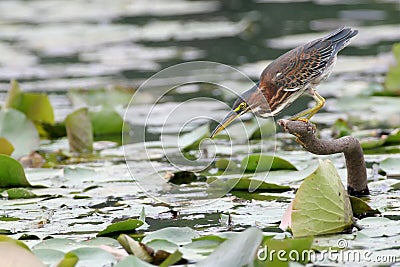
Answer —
308 113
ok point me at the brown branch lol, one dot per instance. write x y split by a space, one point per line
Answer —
356 170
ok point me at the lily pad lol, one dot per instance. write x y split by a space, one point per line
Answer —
121 227
236 251
260 162
392 80
321 205
172 259
49 256
133 261
177 235
79 131
110 97
19 131
70 260
93 256
12 173
36 106
192 140
361 209
391 167
244 184
225 164
19 193
107 121
6 147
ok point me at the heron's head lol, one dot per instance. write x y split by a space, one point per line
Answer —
247 102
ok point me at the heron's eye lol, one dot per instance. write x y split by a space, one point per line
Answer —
240 107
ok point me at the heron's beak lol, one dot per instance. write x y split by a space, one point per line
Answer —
225 122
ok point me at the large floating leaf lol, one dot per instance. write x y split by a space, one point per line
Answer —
36 107
79 131
121 227
19 131
106 122
321 205
260 162
6 147
237 251
12 173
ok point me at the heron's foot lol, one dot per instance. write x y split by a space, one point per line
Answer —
301 142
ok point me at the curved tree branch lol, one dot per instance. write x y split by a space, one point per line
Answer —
356 170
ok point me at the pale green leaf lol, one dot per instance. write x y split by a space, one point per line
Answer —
12 173
321 205
121 227
177 235
260 162
237 251
79 131
19 131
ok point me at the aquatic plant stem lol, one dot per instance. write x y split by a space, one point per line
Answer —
357 184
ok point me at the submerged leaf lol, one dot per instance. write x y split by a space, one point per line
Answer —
12 173
321 205
260 162
79 131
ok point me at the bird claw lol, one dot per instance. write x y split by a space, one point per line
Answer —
300 142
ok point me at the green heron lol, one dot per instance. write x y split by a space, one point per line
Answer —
289 76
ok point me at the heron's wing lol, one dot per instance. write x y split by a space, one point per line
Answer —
299 67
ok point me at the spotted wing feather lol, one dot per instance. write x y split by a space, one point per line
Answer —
306 64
